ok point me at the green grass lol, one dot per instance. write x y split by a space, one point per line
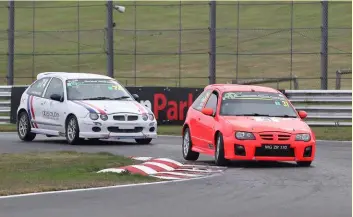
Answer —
322 133
56 33
38 172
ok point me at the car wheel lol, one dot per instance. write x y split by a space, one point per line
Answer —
304 163
188 154
143 141
219 153
72 131
24 128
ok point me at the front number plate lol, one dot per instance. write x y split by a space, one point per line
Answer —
276 147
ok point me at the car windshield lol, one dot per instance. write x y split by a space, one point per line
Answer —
96 89
256 104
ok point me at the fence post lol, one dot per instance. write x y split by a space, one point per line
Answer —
11 42
212 52
110 39
237 42
324 44
291 41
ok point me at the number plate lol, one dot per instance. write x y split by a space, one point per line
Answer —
276 147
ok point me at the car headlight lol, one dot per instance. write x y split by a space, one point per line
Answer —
93 116
303 137
151 117
144 117
244 136
104 117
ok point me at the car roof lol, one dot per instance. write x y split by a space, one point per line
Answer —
72 75
240 87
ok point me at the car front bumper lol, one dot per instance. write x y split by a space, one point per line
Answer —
255 150
117 130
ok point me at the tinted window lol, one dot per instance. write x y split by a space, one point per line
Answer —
201 99
55 87
38 87
256 103
96 89
212 102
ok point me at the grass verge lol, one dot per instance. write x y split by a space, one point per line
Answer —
322 133
38 172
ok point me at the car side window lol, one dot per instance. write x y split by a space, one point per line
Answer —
37 88
200 100
212 102
55 87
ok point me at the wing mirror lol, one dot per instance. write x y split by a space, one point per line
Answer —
207 111
302 114
57 97
136 97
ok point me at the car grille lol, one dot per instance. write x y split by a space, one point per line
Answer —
266 136
273 136
125 118
262 152
118 130
283 137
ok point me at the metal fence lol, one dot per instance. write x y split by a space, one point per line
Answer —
324 108
178 43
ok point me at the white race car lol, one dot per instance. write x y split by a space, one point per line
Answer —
83 106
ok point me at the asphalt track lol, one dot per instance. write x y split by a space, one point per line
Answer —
244 190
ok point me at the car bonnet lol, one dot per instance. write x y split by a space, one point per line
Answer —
112 106
260 124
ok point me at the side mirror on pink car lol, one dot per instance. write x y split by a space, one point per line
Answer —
207 111
302 114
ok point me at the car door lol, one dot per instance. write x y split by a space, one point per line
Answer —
54 111
207 123
194 120
35 101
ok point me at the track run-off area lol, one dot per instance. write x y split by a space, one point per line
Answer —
243 189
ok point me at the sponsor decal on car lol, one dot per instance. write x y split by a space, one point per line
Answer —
51 115
269 119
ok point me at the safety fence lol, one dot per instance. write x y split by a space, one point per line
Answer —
324 107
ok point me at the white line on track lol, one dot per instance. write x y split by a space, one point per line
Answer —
179 174
105 188
166 177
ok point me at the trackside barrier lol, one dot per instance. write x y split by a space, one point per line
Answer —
269 80
324 107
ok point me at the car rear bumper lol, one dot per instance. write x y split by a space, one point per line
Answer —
113 130
254 150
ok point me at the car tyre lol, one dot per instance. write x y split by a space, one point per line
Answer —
72 131
24 128
188 154
304 163
143 141
219 152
